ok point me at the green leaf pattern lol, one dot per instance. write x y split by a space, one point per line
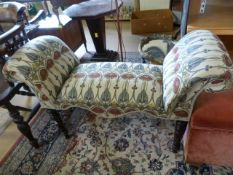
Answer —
116 94
190 67
123 99
142 98
72 94
24 70
106 97
89 96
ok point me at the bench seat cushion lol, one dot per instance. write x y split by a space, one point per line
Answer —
115 88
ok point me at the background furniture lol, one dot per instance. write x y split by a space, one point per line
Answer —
157 19
94 11
217 18
64 3
13 26
152 21
71 31
15 14
10 14
210 19
209 137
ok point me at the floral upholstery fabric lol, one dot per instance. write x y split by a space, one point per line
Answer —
198 61
44 64
115 88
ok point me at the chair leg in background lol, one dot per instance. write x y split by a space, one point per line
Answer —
22 126
56 116
178 135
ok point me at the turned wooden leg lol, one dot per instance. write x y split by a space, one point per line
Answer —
56 116
22 126
178 135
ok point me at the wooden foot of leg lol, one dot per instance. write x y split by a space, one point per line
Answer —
178 135
23 126
56 116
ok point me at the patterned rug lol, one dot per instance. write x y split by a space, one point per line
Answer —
130 145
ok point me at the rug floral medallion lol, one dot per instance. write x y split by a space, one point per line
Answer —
135 144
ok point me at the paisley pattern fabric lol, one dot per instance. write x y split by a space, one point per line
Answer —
198 61
115 88
44 64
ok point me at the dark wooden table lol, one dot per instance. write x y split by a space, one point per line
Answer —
93 11
71 32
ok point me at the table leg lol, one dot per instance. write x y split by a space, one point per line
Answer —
96 27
